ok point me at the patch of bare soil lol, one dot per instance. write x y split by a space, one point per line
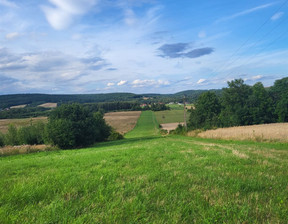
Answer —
122 122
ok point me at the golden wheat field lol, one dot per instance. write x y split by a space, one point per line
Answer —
122 122
263 132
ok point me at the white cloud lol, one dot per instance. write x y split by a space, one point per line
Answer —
110 84
10 36
200 81
254 78
62 14
121 83
277 16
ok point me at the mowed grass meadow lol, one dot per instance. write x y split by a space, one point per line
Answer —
147 178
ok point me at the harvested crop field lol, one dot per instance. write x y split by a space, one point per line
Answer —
4 123
123 122
263 132
48 105
18 106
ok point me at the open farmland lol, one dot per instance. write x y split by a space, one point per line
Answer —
123 122
4 123
264 132
147 178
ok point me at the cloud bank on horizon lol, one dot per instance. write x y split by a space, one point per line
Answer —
93 46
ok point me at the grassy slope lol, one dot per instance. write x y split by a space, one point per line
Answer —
148 180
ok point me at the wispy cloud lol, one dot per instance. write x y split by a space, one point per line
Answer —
277 16
10 36
8 4
245 12
148 83
62 13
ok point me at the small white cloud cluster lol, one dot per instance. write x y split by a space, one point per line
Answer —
62 14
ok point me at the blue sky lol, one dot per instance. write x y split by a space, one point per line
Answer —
140 46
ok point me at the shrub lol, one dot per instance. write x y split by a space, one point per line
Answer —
32 135
11 138
180 130
2 143
115 136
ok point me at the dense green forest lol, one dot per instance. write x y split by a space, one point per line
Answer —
241 104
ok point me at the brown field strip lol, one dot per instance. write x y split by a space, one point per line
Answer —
48 105
123 122
18 106
4 123
263 132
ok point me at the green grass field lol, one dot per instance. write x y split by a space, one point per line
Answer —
170 116
174 115
147 178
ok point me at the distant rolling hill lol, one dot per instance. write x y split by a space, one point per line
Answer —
7 101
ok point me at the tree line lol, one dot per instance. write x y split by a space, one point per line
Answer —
241 104
69 126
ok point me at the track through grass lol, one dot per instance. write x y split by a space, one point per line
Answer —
147 125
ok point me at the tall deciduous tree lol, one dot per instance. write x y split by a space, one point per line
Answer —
235 104
280 97
206 112
260 105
